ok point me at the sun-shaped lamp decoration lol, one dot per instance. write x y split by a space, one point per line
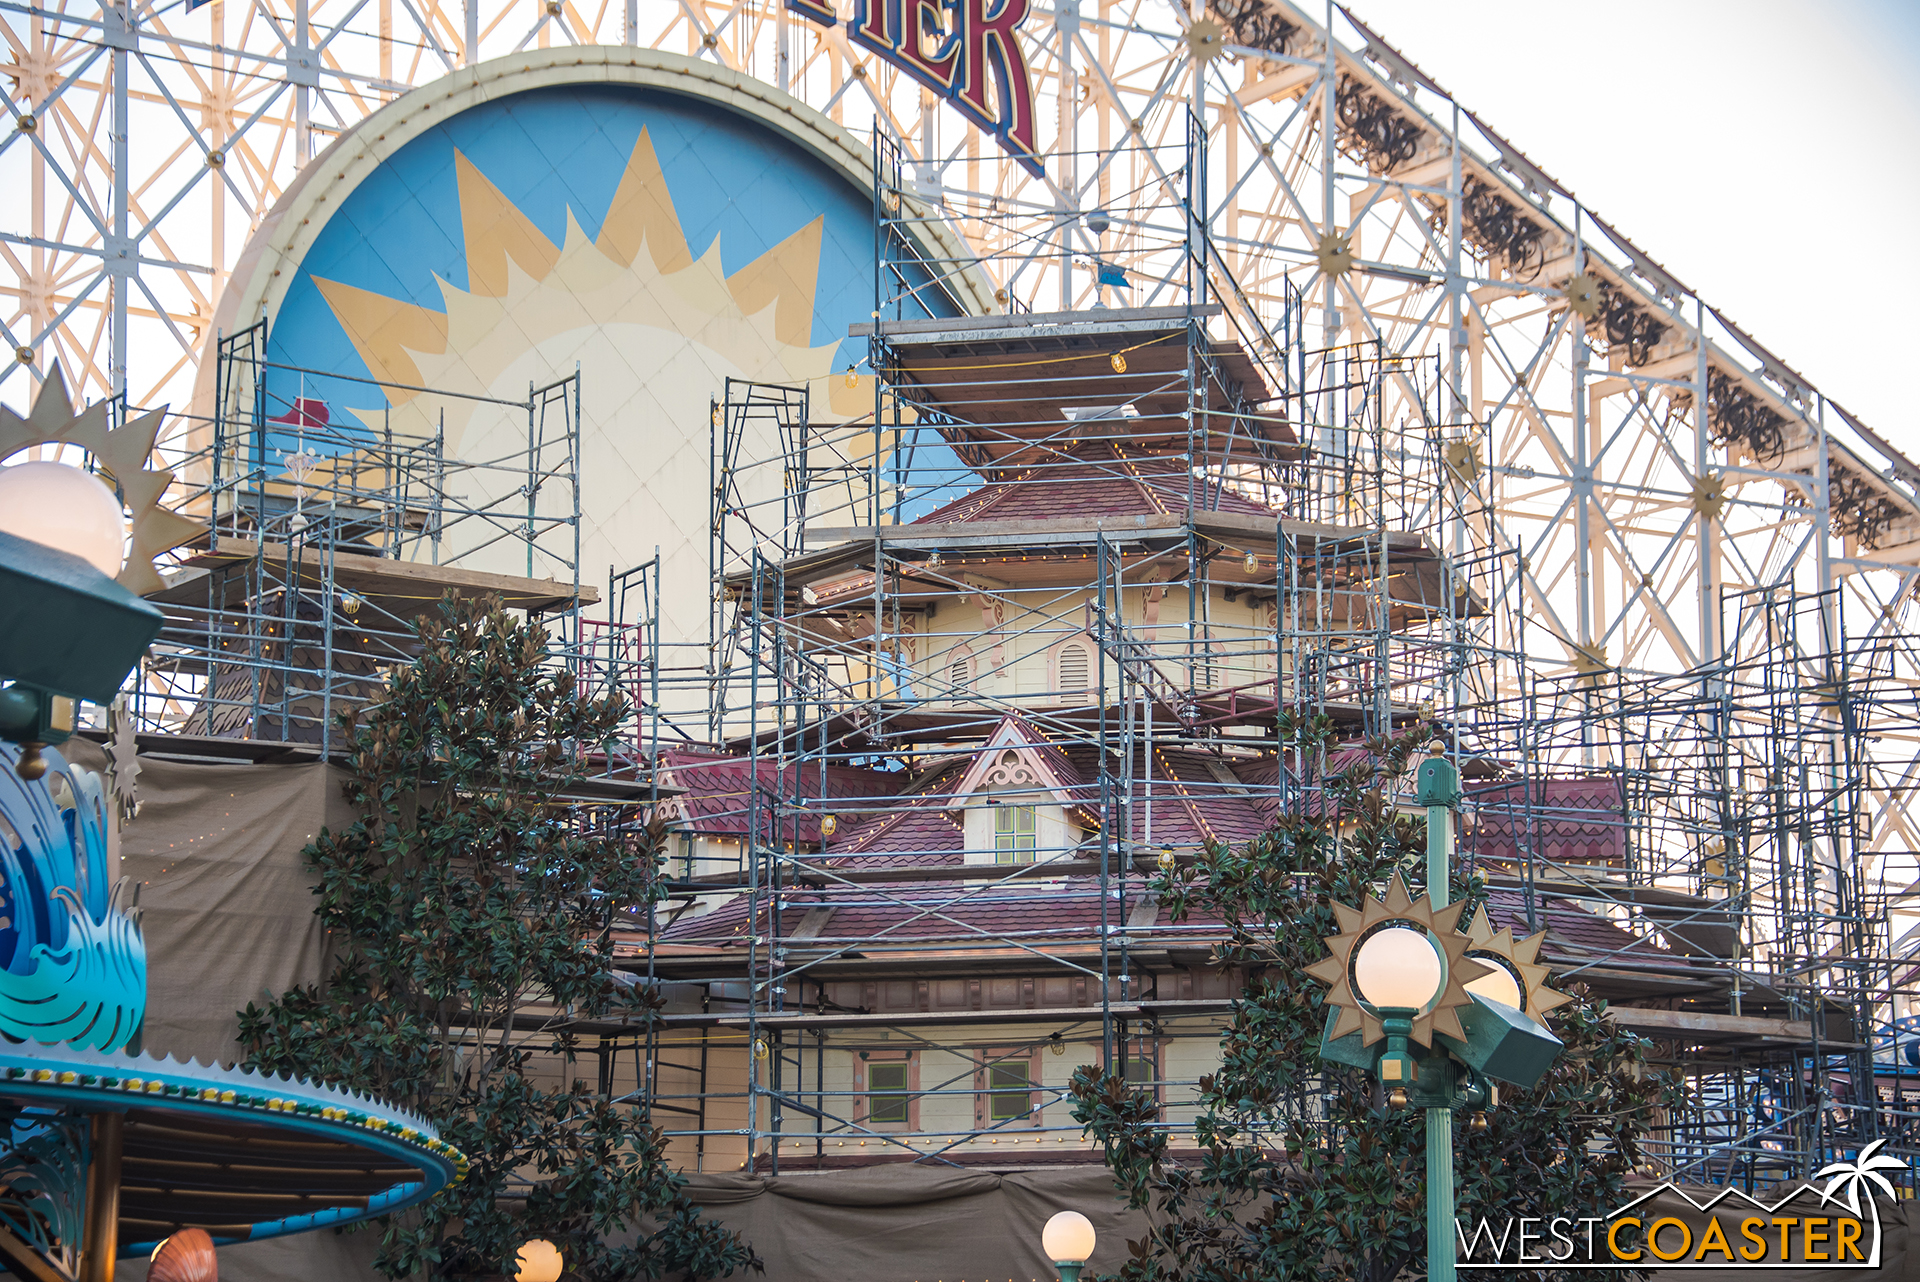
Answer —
1380 959
122 454
1514 975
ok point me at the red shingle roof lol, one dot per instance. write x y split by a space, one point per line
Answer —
1570 821
891 820
915 831
1060 911
1575 934
1192 803
720 795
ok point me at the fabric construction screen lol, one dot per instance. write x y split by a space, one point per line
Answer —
917 1223
226 901
911 1223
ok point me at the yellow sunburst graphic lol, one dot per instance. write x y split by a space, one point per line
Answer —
524 290
654 330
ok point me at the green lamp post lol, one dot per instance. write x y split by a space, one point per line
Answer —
1437 1014
1437 787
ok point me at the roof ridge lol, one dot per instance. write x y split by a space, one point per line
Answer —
1002 489
1187 799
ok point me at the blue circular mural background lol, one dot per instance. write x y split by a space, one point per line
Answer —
555 152
658 242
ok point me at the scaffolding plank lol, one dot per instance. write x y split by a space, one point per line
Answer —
378 578
991 1015
1705 1026
1108 320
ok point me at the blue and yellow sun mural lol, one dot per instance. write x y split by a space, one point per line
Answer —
572 177
657 242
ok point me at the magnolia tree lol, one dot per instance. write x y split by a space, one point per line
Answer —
470 909
1302 1169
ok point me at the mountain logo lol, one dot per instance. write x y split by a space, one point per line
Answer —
1730 1229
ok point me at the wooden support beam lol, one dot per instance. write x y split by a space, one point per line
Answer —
101 1245
796 875
1285 83
1008 1015
1705 1026
376 577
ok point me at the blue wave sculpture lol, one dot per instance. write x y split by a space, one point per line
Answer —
73 966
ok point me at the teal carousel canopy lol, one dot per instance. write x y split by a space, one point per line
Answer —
110 1150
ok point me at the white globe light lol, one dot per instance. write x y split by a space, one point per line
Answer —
1397 968
1498 985
538 1261
64 508
1068 1238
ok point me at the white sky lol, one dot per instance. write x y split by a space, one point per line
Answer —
1767 153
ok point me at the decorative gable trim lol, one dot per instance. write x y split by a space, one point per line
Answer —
1012 761
1009 762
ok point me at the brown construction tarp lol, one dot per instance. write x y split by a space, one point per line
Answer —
226 902
911 1223
928 1224
226 908
917 1223
921 1223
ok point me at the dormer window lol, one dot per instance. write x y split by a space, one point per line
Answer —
1017 800
1015 834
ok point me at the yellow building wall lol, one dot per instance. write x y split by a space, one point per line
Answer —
948 1107
1009 640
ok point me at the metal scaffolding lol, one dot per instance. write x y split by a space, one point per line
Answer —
1697 843
1513 475
326 539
